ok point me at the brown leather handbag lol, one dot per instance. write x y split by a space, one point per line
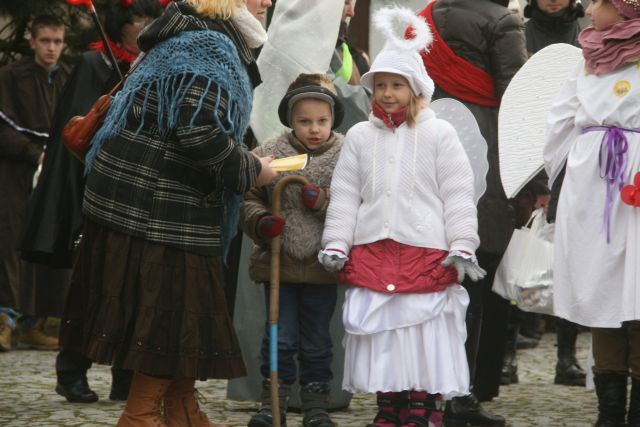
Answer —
79 130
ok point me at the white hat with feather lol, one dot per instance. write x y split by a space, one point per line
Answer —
400 55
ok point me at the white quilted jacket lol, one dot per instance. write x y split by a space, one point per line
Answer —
412 185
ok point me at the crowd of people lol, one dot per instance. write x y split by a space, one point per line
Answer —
136 248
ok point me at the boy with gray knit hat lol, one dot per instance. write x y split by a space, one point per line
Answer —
308 293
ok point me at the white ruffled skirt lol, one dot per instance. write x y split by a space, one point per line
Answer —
396 342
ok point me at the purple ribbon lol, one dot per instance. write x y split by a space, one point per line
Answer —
612 161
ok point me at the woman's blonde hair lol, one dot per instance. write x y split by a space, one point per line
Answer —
416 103
221 9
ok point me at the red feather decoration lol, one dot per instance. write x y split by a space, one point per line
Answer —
87 3
126 3
630 194
164 3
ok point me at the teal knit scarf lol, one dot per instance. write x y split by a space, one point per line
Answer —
169 70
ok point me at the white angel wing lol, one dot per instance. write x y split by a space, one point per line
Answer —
472 140
524 108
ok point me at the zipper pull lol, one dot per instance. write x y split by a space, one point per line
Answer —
391 122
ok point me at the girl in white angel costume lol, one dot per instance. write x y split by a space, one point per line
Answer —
402 230
594 139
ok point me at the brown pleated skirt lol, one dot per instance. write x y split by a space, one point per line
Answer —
148 307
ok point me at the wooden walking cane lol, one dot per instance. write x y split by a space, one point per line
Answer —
274 296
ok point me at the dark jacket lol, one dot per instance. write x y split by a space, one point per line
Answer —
488 35
168 188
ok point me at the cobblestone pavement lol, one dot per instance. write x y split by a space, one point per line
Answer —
28 379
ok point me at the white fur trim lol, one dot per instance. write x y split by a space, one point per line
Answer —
252 30
385 20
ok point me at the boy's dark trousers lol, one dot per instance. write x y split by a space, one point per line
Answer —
303 329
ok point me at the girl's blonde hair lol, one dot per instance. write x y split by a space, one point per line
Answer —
221 9
416 104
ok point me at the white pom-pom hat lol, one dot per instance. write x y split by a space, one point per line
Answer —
399 55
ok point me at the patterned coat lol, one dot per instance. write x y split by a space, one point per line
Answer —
168 189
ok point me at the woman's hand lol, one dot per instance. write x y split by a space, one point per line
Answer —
266 173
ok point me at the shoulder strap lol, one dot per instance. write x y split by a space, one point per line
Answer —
131 69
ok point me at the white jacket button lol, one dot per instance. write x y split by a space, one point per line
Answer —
391 287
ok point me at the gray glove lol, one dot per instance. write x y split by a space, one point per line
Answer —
465 266
332 260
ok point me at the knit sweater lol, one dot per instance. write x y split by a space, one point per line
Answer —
411 185
301 236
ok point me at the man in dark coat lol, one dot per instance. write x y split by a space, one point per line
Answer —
479 47
29 89
552 22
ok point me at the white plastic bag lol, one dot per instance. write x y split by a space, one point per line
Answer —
525 274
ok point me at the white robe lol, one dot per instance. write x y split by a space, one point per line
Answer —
596 283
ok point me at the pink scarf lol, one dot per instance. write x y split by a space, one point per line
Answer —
607 50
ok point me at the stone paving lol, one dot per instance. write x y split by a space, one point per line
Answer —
28 379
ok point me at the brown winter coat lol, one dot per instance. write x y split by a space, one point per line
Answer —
26 103
488 35
300 239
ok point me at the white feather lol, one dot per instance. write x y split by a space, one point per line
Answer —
386 19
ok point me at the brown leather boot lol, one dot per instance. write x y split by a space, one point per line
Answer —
35 338
181 406
144 406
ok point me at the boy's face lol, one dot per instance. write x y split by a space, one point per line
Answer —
553 6
603 14
391 91
47 45
311 122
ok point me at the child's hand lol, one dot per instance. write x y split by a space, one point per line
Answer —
313 197
464 265
332 259
270 226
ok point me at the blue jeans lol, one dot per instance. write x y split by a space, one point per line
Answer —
303 329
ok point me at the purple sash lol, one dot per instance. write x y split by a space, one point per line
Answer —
612 161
